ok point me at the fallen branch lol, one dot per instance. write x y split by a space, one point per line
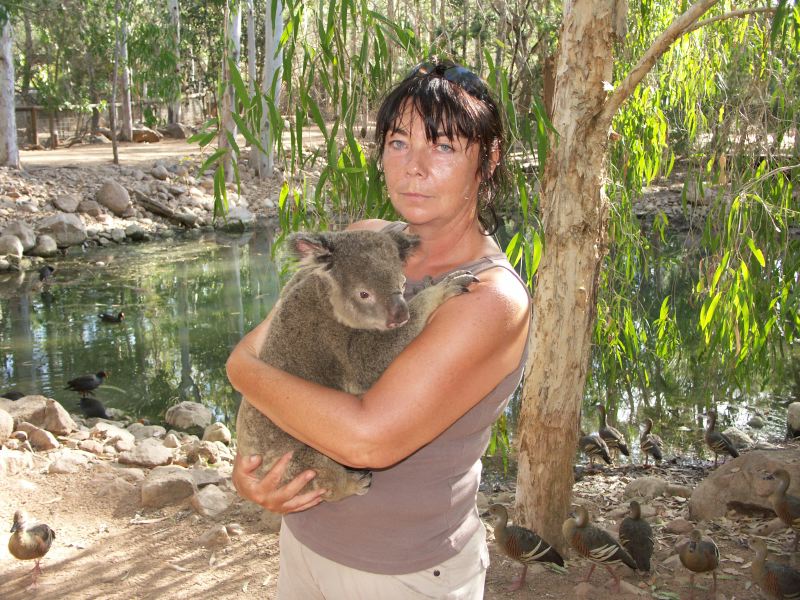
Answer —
159 208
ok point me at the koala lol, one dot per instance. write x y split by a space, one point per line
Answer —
339 321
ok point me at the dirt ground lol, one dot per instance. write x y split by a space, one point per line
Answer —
107 547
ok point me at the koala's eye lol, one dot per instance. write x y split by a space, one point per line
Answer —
364 295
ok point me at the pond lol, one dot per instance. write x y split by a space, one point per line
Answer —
188 300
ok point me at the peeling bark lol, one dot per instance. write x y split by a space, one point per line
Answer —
9 152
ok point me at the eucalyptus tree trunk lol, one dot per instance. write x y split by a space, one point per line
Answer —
233 31
9 152
251 66
126 132
273 62
27 71
112 109
175 19
574 212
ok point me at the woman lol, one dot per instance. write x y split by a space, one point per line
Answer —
424 425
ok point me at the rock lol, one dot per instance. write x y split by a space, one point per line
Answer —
145 134
118 437
65 229
207 451
136 233
115 488
23 233
68 461
57 419
159 172
148 453
645 487
756 422
10 245
142 432
45 246
793 419
740 485
175 130
118 235
67 203
239 218
92 446
114 197
172 441
40 439
217 432
681 491
13 462
6 426
167 485
739 438
90 207
187 415
211 501
216 537
30 409
204 476
679 526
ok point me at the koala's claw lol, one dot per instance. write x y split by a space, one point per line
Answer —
460 279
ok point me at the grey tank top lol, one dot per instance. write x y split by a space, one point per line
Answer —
421 511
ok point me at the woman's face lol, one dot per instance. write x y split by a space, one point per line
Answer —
430 181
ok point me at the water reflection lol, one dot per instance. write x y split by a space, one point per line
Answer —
186 303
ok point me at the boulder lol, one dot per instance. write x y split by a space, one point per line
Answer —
6 425
211 501
39 438
68 461
10 245
30 409
145 134
67 203
217 432
167 485
204 476
114 197
90 207
57 419
45 247
739 438
113 435
23 233
160 172
66 229
142 432
187 415
793 419
739 484
149 453
645 487
175 130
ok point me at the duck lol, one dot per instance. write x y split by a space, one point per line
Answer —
786 506
775 579
636 536
93 408
520 544
596 544
112 318
12 395
650 444
612 436
30 542
594 447
718 441
700 555
85 384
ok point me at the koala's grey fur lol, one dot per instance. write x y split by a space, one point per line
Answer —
339 321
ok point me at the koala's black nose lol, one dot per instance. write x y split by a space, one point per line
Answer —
397 313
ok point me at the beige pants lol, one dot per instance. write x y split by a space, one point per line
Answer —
305 575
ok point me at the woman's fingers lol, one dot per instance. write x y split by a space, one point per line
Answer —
268 492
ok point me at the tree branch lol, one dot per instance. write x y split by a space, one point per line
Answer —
678 28
732 15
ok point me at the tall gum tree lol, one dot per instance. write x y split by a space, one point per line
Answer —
9 153
574 212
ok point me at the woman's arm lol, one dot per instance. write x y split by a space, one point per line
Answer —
468 346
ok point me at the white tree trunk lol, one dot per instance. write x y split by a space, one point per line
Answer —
264 164
9 153
251 65
574 212
175 18
233 51
126 133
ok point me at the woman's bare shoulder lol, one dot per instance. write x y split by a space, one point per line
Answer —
368 225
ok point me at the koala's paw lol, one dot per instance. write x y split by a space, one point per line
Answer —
456 283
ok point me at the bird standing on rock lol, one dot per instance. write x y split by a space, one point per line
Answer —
776 580
85 384
636 536
30 542
112 318
594 447
700 555
718 441
786 506
521 544
612 436
651 444
596 544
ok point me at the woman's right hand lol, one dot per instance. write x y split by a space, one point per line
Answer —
267 491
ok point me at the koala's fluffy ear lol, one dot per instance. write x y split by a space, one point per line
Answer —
406 244
311 248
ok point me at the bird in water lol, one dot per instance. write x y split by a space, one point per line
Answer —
85 384
12 395
30 542
594 447
651 444
718 441
112 318
596 544
611 435
700 555
93 408
636 536
775 579
520 544
786 506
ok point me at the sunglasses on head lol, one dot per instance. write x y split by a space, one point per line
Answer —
461 76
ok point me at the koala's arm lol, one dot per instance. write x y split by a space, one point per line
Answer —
470 344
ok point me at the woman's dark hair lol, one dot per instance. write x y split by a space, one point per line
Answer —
456 102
